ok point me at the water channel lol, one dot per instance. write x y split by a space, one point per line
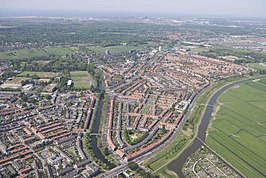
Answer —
177 164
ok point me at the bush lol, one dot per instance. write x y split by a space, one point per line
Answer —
135 167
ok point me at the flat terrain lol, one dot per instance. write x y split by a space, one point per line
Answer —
35 52
81 79
165 155
204 163
59 51
261 66
14 83
42 75
237 132
121 48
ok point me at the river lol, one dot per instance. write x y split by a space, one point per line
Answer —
177 164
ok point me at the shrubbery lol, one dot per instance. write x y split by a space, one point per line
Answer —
135 167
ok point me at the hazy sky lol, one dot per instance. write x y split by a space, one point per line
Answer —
240 8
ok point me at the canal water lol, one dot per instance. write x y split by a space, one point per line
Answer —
95 130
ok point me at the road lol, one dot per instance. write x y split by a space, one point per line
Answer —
177 164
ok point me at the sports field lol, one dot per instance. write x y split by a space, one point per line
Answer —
238 129
81 79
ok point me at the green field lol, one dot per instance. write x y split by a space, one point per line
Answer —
17 80
163 156
238 130
21 54
59 51
43 75
82 85
221 51
81 79
35 52
261 66
62 51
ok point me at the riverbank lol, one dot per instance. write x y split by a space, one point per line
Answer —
158 163
177 164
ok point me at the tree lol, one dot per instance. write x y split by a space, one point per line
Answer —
164 130
48 97
105 151
132 165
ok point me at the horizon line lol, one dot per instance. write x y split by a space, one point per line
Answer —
7 12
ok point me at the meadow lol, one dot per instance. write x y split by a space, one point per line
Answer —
238 129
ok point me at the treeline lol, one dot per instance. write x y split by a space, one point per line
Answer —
244 56
261 71
89 150
55 64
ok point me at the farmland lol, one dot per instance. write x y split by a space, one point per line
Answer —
237 132
81 79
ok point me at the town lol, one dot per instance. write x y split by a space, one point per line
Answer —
112 106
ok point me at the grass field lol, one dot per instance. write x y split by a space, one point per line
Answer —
21 54
162 157
43 75
59 51
238 130
82 85
35 52
81 79
261 66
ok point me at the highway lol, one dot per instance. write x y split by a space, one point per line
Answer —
177 164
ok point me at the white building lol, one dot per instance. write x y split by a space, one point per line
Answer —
69 83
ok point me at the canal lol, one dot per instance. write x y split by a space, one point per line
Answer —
95 130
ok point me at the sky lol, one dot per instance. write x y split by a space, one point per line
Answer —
217 8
